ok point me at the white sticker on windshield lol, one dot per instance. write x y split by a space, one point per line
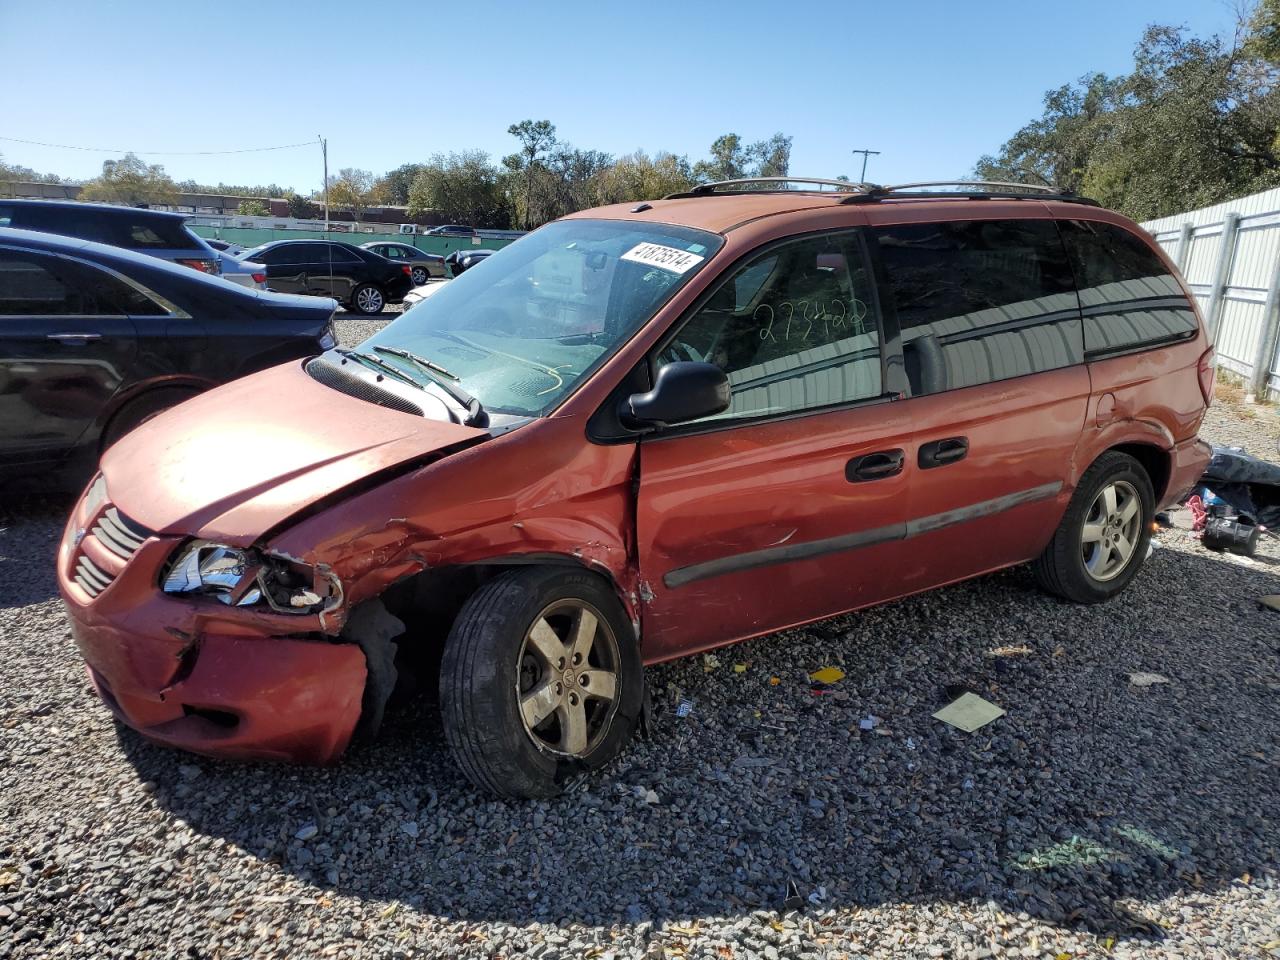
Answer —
668 258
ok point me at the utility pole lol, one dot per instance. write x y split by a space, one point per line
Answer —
863 178
324 152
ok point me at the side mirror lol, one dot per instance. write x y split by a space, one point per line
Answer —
685 390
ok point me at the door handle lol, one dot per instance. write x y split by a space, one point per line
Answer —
874 466
941 452
73 337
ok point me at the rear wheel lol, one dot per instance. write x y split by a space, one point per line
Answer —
1103 537
541 678
420 276
367 299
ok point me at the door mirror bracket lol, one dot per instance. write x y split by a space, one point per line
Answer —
683 391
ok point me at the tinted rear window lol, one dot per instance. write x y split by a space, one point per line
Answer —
1128 297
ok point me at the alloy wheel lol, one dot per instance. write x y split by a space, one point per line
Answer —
369 300
1112 529
567 678
419 276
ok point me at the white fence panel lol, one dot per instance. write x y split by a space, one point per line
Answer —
1229 255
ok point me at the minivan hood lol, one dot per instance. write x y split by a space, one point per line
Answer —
243 458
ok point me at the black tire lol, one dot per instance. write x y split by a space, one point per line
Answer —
420 275
485 665
373 305
139 410
1062 568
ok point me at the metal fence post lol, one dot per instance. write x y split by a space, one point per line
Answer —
1184 248
1267 338
1222 273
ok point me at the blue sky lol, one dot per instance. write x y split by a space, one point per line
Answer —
932 85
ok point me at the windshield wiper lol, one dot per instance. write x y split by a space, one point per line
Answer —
370 360
476 417
420 361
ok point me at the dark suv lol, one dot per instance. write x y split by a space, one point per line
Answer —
96 340
359 279
153 232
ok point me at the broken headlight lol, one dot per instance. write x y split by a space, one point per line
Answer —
244 578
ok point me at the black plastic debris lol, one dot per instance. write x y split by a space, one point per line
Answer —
1251 486
793 900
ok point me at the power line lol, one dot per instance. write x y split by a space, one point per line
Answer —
159 153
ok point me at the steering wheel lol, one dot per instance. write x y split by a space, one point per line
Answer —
676 351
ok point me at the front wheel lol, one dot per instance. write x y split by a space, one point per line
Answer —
367 299
1103 537
541 678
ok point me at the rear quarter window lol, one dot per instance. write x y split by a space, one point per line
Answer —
1129 299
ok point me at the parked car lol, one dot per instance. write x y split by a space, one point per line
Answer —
461 260
359 279
423 265
451 230
418 294
153 232
95 339
244 272
225 246
643 432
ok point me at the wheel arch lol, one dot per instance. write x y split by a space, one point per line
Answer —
1155 460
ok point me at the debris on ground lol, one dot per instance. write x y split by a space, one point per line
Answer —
1271 601
710 662
1020 650
969 712
869 722
1143 679
792 900
827 675
739 668
685 707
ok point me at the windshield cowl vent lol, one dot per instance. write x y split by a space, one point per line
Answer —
354 386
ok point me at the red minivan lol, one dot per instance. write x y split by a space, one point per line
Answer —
640 432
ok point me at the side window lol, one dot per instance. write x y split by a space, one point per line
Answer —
293 253
34 285
980 301
793 328
1127 295
333 253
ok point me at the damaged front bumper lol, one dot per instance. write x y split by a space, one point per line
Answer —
196 674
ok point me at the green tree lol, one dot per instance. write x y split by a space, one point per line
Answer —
731 159
393 187
350 191
131 182
1195 122
638 176
536 138
728 160
462 188
300 207
253 208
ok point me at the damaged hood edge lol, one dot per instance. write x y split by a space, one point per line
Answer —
245 458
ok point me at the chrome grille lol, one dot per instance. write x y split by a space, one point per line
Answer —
92 580
117 534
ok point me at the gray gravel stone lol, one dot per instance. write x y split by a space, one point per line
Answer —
1094 813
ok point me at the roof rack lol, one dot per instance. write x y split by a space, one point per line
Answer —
996 190
728 187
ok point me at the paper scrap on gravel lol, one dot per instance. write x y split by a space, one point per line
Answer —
827 675
969 712
1143 679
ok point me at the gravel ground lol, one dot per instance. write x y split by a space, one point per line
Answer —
1096 818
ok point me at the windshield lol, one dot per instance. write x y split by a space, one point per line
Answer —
521 330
